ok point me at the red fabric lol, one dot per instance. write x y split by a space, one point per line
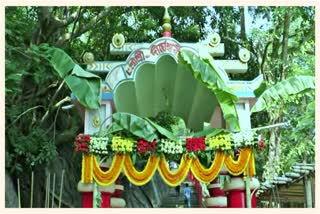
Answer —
215 192
216 206
105 199
117 193
87 199
254 201
236 199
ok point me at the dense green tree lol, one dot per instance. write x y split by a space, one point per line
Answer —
39 132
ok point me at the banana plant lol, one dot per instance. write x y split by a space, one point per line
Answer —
85 86
282 90
205 72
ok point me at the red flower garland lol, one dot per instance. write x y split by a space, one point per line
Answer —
82 141
146 146
195 144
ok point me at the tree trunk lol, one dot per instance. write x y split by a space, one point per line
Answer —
286 26
242 25
11 197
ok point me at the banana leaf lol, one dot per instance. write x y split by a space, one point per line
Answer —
208 132
135 125
205 72
282 90
85 86
163 131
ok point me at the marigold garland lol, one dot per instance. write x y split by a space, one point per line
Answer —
87 168
140 177
91 168
110 176
237 167
179 175
252 165
209 174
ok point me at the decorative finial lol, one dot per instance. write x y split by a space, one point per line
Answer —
244 55
166 23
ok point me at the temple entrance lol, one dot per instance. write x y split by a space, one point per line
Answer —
170 103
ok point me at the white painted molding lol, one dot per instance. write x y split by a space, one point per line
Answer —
254 183
236 183
82 187
216 201
117 202
110 189
119 187
213 186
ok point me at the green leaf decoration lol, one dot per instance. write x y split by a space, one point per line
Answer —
205 72
85 86
281 90
135 125
209 132
163 131
263 86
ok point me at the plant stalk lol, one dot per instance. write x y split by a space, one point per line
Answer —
19 196
53 188
31 194
61 188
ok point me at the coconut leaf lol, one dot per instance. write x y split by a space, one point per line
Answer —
205 72
84 85
135 125
282 90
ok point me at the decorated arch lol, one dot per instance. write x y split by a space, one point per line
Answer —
179 79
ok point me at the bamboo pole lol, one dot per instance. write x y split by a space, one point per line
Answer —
48 192
271 126
53 188
248 193
61 188
19 196
45 200
31 194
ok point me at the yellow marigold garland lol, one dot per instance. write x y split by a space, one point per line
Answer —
87 168
235 168
120 144
91 168
209 174
110 176
176 177
140 177
252 165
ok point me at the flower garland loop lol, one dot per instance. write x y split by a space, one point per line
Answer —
110 176
236 167
140 177
176 177
208 174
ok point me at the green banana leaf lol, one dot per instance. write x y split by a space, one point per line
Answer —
208 132
163 131
281 90
85 86
205 72
136 125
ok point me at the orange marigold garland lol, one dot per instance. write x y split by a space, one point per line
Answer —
110 176
176 177
237 167
252 165
86 169
209 174
140 177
